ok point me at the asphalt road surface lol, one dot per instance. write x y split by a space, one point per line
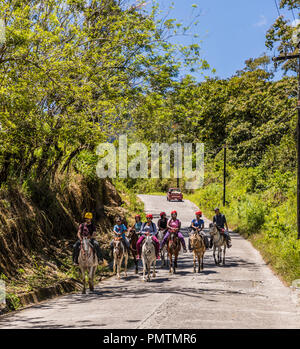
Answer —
242 294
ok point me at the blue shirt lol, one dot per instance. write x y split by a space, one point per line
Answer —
199 223
138 226
120 229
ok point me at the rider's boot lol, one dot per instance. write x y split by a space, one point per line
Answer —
75 256
211 243
183 246
206 242
99 255
228 242
190 248
139 253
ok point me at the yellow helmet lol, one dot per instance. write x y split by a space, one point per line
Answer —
88 215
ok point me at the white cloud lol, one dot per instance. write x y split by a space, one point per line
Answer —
262 22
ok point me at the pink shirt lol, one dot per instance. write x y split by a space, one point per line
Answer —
174 224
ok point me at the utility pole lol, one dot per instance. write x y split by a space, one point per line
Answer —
175 126
283 58
224 177
177 162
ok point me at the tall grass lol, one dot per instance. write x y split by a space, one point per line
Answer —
262 210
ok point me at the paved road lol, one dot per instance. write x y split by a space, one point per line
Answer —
243 294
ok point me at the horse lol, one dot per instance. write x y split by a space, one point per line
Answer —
88 262
173 248
133 238
119 252
148 256
219 241
160 237
198 247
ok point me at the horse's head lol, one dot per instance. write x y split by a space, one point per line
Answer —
85 244
160 235
195 240
117 244
173 239
213 229
132 233
148 244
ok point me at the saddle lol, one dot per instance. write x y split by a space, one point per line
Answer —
221 230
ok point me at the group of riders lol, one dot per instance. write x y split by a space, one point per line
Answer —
87 229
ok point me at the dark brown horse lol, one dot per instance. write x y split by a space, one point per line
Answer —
133 238
173 248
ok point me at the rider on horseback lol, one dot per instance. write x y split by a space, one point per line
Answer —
120 230
150 227
220 221
198 225
137 225
86 229
163 222
174 224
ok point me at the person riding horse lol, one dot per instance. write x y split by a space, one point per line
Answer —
197 225
174 225
120 229
148 226
221 222
86 229
162 223
137 225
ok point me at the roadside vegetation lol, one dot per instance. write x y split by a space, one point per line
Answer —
75 74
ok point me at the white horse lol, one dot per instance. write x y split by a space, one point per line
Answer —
120 252
148 257
219 241
163 251
88 262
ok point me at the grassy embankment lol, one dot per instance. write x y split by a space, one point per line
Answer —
38 224
260 207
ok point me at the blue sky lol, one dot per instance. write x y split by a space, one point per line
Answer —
232 30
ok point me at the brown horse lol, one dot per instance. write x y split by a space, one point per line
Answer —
133 239
198 247
173 248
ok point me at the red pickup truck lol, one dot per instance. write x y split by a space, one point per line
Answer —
174 194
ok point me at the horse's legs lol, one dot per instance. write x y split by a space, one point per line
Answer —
91 278
170 261
214 254
199 263
144 268
175 263
126 261
114 267
154 264
119 263
224 250
83 280
148 266
135 262
194 256
202 257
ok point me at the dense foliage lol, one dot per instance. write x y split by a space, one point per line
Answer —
71 72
